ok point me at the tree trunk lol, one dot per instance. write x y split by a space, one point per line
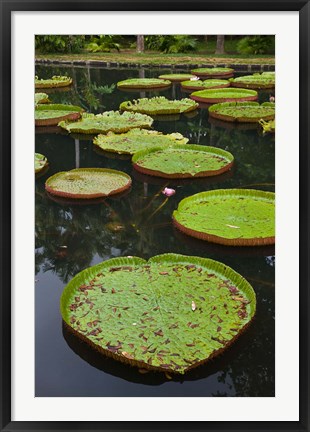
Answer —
140 43
220 40
206 40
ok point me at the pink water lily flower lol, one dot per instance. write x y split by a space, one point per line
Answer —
168 192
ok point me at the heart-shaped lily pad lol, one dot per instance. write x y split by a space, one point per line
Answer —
256 81
136 140
171 313
40 162
159 105
87 183
213 72
206 84
224 95
52 114
236 217
184 161
41 98
177 77
55 81
109 121
243 112
143 83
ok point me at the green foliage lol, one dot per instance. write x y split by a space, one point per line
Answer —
169 313
171 44
256 45
40 162
159 105
103 43
242 111
59 43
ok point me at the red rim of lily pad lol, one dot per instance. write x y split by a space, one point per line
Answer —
74 113
77 174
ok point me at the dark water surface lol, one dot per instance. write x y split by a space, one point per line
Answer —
138 224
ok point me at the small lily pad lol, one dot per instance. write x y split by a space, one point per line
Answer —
88 183
143 83
236 217
55 81
136 140
268 126
224 95
206 84
242 112
177 77
159 105
213 72
52 114
256 81
109 121
40 162
41 98
171 313
185 161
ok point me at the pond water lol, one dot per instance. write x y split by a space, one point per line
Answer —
70 238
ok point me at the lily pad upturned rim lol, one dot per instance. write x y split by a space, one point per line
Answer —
45 164
215 112
133 83
177 106
177 77
205 96
173 137
74 113
262 241
213 72
188 85
87 196
195 147
216 267
54 82
73 127
41 98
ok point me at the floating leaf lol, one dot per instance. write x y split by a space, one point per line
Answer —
177 77
206 84
256 81
242 112
210 215
55 81
52 114
143 83
40 162
41 98
213 72
177 338
224 95
159 105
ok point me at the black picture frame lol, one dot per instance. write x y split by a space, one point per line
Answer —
7 7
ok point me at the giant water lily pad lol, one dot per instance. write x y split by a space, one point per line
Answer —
206 84
52 114
185 161
87 183
171 313
40 162
224 95
213 72
55 81
236 217
243 112
159 105
177 77
136 140
143 83
41 98
109 121
256 81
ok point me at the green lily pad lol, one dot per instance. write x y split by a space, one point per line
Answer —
109 121
40 162
213 72
268 126
177 77
171 313
55 81
256 81
236 217
136 140
87 183
243 112
142 83
52 114
224 95
41 98
184 161
206 84
159 105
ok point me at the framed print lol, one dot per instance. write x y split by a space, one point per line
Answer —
167 220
